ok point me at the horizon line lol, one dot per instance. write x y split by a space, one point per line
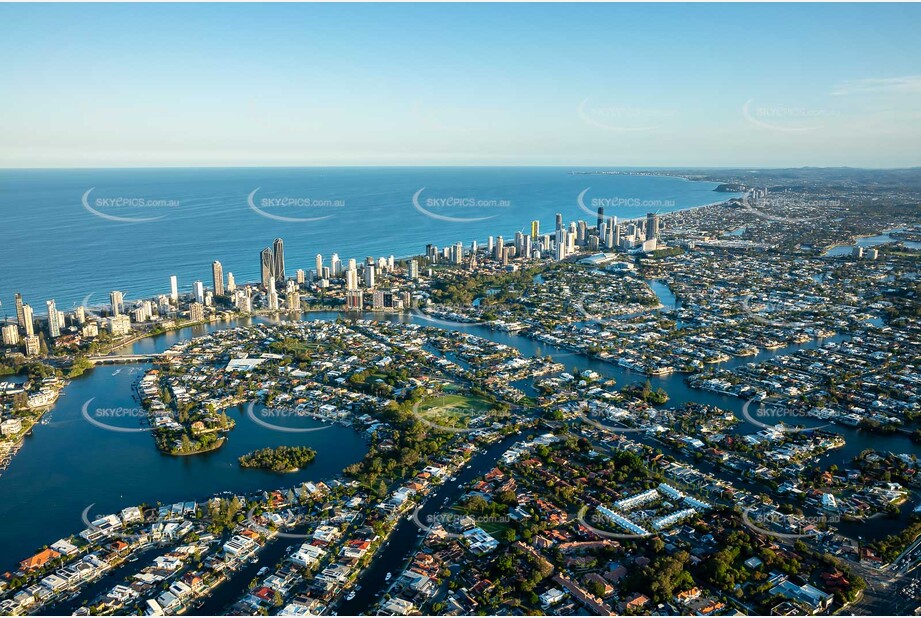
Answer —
470 166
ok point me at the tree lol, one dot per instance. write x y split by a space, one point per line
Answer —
596 588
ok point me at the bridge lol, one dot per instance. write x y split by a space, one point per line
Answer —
110 359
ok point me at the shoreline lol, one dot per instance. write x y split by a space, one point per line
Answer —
409 256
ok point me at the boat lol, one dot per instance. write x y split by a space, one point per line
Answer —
350 596
388 577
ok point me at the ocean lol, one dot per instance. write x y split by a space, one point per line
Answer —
75 235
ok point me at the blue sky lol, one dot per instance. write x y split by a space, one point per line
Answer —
111 85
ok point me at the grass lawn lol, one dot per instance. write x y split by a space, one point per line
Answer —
453 410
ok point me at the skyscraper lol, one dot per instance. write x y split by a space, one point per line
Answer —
278 247
369 275
117 300
335 265
267 267
600 217
652 225
231 283
535 230
20 317
319 266
10 335
199 290
173 289
28 320
217 275
272 295
54 324
351 279
559 221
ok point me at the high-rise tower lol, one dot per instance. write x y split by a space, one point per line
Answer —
278 249
266 267
217 273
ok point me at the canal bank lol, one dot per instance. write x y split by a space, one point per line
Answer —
80 465
405 537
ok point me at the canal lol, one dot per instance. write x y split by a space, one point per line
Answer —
68 464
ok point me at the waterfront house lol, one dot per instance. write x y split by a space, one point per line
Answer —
38 561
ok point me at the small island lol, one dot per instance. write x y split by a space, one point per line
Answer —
279 459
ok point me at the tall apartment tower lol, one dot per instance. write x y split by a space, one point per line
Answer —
351 279
652 225
173 289
278 250
54 324
20 317
117 300
266 267
217 273
28 320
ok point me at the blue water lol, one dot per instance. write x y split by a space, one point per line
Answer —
870 241
69 464
54 247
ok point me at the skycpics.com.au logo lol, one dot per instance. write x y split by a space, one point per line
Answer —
768 207
590 317
767 312
786 119
620 118
132 526
773 523
431 416
450 525
117 419
454 209
583 416
462 317
611 203
127 209
776 411
93 310
272 207
273 417
430 315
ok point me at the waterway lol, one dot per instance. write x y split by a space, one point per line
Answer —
871 241
68 464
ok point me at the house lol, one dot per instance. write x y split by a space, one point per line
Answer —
813 598
38 561
551 597
397 607
637 601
